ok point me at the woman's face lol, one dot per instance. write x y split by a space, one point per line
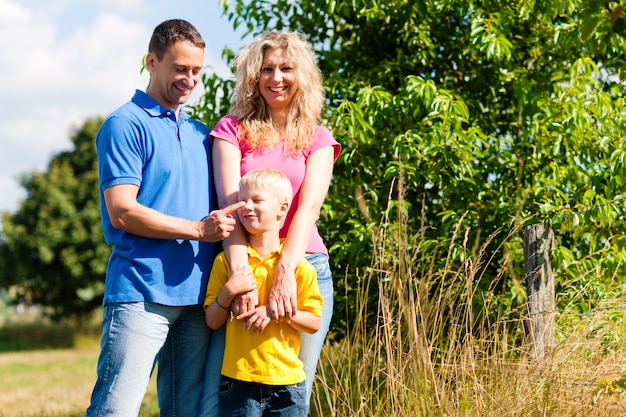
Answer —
278 81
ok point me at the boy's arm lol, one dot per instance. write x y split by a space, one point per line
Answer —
259 318
305 321
218 311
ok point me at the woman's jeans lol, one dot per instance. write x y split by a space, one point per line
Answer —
311 344
134 337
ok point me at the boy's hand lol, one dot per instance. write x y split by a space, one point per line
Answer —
245 302
256 319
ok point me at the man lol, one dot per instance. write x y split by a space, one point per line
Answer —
155 185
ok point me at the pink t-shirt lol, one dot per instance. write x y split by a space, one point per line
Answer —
294 167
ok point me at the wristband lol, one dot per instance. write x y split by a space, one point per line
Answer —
221 306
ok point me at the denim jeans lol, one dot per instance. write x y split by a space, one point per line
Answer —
134 337
311 344
209 406
248 399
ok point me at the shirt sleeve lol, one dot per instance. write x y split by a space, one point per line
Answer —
227 128
309 296
322 138
120 156
218 277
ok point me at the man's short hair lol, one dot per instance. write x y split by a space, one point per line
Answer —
171 31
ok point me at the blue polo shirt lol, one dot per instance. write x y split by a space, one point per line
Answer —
142 143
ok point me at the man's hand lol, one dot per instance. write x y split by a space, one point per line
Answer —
219 223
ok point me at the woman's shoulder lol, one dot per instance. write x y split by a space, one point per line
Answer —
227 128
323 137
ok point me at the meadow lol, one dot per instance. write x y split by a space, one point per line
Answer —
423 352
48 369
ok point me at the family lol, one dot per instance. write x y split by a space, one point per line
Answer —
218 274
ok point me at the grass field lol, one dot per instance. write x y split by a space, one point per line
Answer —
48 370
388 373
422 353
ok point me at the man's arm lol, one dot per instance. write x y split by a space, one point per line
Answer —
127 214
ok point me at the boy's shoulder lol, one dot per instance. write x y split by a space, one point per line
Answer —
305 269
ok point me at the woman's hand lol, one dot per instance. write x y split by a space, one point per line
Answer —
283 300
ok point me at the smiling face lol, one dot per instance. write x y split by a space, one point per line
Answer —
176 75
278 81
263 212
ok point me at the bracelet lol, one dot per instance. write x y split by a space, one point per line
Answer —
221 306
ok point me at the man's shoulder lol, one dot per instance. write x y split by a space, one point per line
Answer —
199 126
130 110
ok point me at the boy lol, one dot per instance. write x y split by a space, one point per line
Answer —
261 372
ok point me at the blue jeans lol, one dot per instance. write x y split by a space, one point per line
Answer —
311 344
248 399
134 337
209 406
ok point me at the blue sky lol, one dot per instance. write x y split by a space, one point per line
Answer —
63 61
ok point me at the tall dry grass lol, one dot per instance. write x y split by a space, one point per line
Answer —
431 352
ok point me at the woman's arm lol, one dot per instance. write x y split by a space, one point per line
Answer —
226 159
319 170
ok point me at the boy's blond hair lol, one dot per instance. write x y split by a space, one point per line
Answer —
271 179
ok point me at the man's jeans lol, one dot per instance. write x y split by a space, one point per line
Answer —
134 337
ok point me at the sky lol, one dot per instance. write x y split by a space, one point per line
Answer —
63 61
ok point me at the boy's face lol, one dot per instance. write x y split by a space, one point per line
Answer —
262 212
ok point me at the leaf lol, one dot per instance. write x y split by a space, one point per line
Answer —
589 27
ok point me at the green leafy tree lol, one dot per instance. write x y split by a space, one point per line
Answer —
454 115
489 115
53 251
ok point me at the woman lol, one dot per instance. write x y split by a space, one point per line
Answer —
273 122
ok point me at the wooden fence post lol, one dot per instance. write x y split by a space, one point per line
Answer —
538 245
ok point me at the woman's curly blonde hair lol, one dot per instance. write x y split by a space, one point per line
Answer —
249 106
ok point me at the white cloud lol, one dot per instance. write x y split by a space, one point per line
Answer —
67 60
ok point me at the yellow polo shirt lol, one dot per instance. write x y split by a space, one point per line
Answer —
269 357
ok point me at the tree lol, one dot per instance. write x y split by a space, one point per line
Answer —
453 115
489 114
53 252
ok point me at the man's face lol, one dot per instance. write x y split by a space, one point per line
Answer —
176 75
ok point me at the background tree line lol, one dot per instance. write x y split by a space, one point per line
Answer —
470 117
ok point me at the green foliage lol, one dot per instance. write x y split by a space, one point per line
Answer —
468 118
53 253
215 101
488 115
